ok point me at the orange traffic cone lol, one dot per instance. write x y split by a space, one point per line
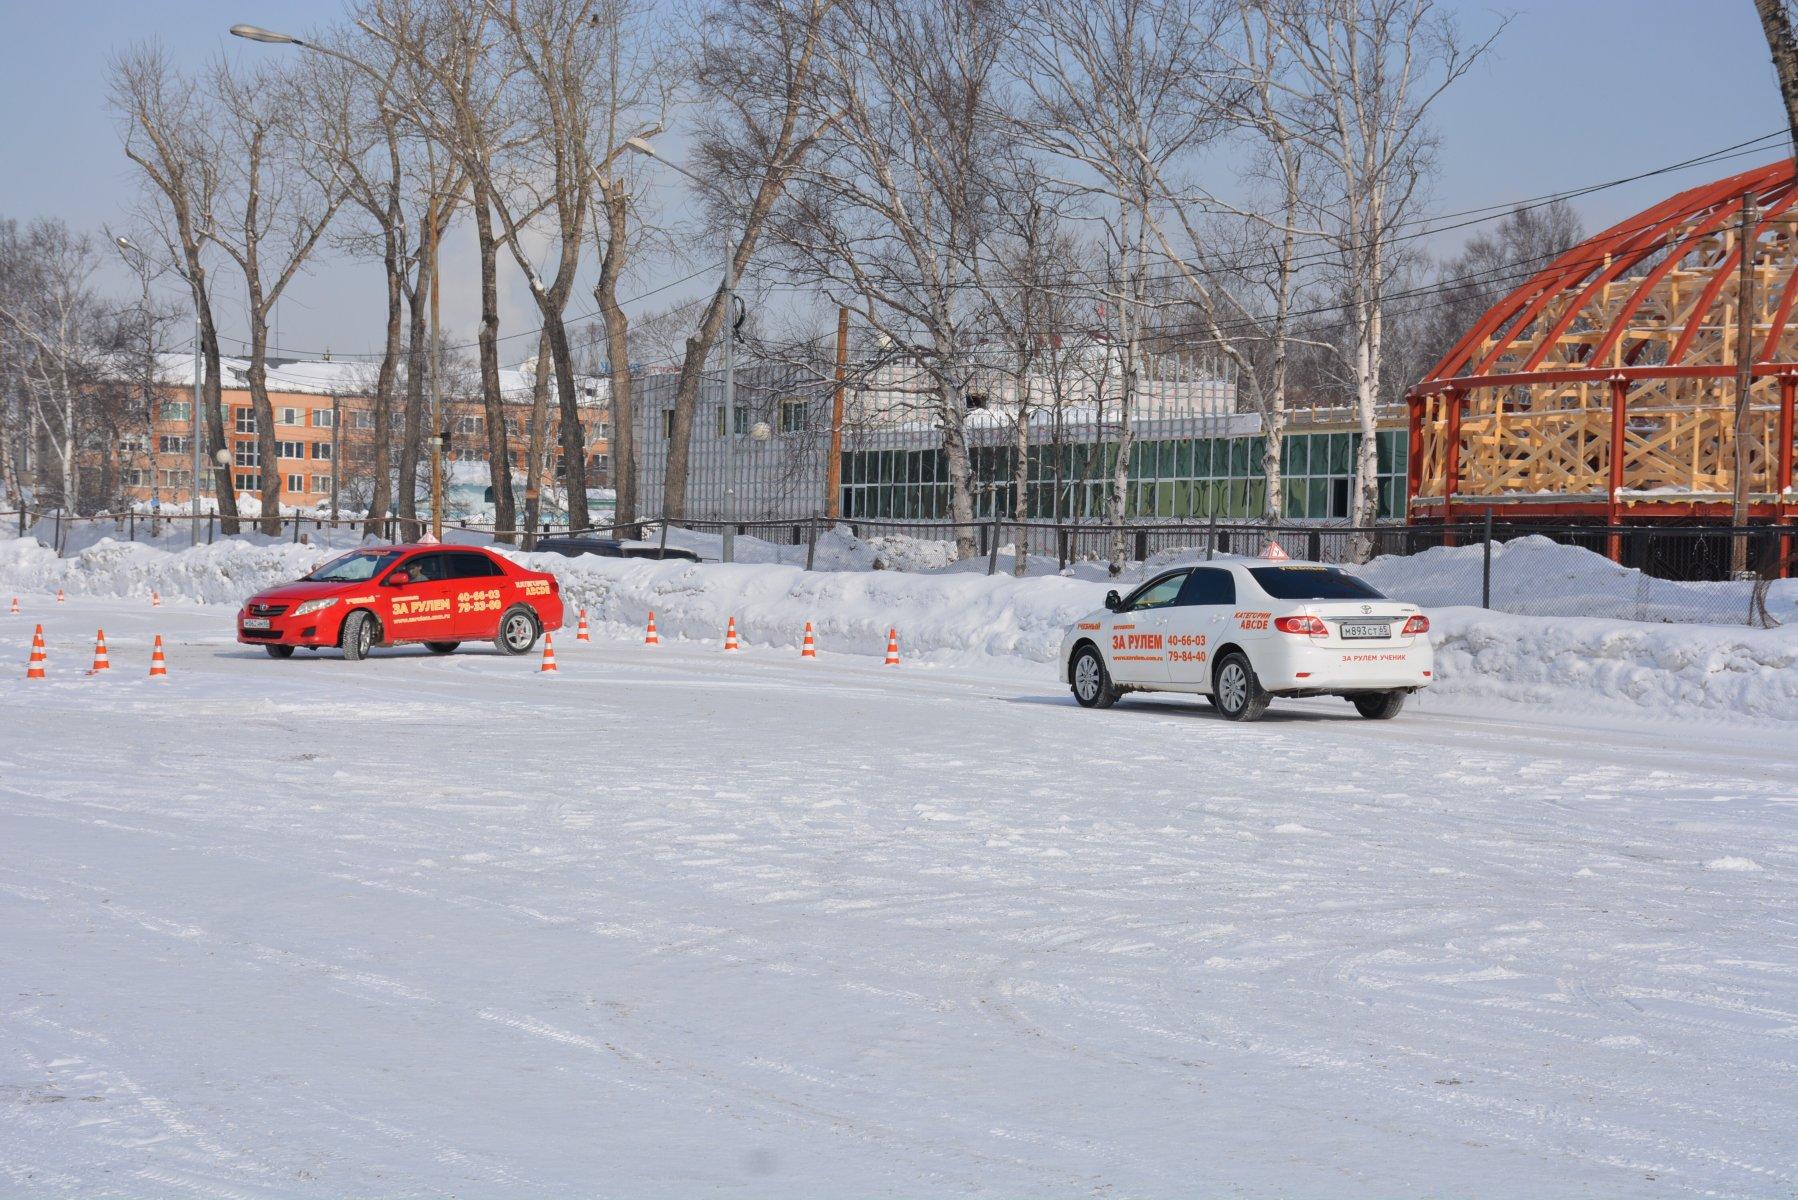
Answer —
35 668
100 663
649 635
15 606
59 598
549 654
810 648
730 635
159 666
581 633
155 598
892 648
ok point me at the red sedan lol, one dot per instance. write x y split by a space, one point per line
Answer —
440 596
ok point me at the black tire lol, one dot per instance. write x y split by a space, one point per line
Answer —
518 630
441 647
1090 681
360 633
1379 706
279 651
1236 691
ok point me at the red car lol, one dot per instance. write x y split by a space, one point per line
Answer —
439 595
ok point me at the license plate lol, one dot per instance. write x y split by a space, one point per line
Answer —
1366 631
255 622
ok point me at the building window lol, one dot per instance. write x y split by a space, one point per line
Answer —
131 443
321 483
177 410
290 449
468 425
364 419
136 478
246 454
668 424
321 450
176 479
792 416
173 444
246 420
289 416
296 483
323 418
248 483
742 422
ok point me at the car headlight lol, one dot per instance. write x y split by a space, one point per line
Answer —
312 606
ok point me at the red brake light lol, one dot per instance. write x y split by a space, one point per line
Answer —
1417 624
1314 626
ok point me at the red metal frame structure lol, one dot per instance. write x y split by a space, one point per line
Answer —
1604 388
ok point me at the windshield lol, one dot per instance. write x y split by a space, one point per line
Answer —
1312 583
355 567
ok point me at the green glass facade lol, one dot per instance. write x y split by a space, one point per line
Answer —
1169 479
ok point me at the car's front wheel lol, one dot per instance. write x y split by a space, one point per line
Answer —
1091 681
358 635
1379 706
517 631
279 651
1236 691
441 647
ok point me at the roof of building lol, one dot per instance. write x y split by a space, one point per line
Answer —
325 377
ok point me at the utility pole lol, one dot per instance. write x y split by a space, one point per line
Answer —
1741 432
833 468
336 455
730 402
438 433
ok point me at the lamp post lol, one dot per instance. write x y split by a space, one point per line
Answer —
255 33
193 524
642 146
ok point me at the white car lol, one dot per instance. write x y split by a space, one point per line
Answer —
1243 633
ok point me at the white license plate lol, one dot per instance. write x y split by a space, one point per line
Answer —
1366 631
255 622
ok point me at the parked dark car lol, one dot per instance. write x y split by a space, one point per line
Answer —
574 547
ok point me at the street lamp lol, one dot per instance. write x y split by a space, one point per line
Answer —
643 147
193 524
256 33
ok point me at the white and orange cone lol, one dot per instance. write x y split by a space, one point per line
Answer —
159 666
650 637
580 634
892 648
100 663
59 597
549 655
730 634
35 668
155 598
15 606
809 648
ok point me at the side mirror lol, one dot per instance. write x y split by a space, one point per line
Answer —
1113 601
397 579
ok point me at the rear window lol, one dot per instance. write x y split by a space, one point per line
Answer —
1312 583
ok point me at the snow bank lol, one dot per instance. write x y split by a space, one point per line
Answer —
970 619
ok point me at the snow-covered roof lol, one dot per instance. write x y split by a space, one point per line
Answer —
321 377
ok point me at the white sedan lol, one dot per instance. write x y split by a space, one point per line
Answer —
1243 633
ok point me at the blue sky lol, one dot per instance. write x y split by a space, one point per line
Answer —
1578 91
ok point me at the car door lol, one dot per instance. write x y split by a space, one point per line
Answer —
1139 630
1197 623
422 609
477 592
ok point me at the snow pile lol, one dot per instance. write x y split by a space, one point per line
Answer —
225 573
1567 663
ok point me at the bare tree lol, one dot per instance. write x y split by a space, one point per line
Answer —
166 124
756 65
891 217
274 207
1776 23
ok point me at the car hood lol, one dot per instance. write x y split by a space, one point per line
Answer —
302 590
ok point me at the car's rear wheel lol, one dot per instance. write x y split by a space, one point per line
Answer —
1236 691
1091 681
279 651
1379 706
359 635
441 647
518 631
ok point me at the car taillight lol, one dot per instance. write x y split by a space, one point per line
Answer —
1313 626
1417 624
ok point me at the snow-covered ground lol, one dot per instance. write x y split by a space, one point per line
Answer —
676 922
